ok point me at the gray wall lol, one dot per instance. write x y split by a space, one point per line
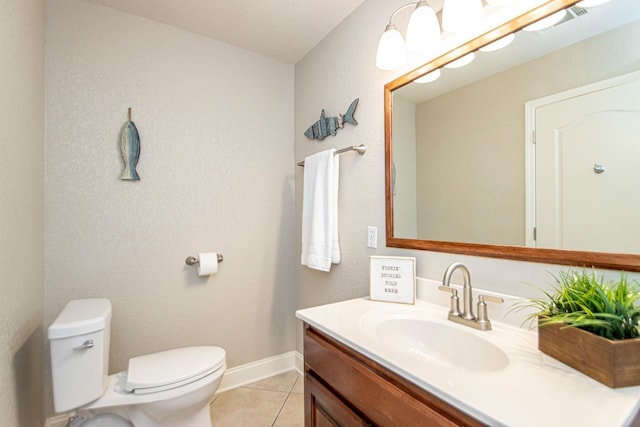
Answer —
217 174
21 211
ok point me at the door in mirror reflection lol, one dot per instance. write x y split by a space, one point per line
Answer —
587 174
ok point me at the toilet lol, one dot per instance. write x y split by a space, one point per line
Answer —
167 389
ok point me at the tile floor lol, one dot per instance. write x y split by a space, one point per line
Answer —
277 401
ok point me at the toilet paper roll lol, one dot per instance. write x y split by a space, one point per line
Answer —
207 263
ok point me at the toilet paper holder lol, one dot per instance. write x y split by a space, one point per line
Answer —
191 260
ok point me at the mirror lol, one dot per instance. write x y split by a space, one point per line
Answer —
463 172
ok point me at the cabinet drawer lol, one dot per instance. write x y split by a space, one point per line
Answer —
323 408
385 398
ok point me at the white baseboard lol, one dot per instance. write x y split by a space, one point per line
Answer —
234 377
299 363
255 371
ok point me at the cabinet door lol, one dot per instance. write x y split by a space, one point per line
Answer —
324 409
371 391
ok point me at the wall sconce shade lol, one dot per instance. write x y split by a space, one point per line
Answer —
458 15
423 30
391 51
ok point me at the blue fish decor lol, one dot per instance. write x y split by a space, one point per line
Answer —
130 150
329 125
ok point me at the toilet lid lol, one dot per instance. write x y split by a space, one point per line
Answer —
172 367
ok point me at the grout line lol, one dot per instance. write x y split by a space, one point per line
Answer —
288 395
261 388
294 385
280 411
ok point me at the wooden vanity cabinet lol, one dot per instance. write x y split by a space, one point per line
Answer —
346 389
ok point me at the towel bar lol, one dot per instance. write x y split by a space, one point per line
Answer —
361 149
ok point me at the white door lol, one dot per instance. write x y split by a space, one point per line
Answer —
587 169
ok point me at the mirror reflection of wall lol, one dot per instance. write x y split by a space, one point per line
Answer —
470 141
404 165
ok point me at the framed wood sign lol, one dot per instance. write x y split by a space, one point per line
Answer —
392 279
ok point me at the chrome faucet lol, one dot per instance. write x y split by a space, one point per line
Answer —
466 317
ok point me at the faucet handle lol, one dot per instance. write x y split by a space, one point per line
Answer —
454 309
483 318
489 298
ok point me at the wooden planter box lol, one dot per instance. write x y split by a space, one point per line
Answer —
613 363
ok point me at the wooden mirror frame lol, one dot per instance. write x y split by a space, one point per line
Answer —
627 262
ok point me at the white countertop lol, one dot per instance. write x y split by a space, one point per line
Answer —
533 390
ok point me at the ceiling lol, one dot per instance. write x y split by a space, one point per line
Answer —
283 29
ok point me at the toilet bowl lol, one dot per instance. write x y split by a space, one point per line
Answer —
166 389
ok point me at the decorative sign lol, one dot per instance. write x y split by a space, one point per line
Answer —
392 279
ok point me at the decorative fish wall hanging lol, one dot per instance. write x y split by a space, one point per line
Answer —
130 150
329 125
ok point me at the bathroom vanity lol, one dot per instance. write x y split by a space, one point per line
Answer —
376 363
338 379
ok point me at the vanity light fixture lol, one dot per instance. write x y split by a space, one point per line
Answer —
458 15
423 30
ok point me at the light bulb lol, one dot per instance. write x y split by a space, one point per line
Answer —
458 15
391 52
423 30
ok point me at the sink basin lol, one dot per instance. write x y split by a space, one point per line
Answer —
444 344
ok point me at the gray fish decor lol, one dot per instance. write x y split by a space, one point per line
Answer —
130 150
329 125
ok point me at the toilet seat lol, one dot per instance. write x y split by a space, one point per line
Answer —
170 369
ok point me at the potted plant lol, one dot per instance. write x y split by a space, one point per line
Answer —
592 326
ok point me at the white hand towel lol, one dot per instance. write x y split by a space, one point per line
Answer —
320 246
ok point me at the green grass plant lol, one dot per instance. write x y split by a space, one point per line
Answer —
581 299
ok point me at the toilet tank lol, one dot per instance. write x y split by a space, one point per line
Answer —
79 340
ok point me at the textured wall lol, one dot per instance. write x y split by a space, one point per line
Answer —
217 174
21 211
329 77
